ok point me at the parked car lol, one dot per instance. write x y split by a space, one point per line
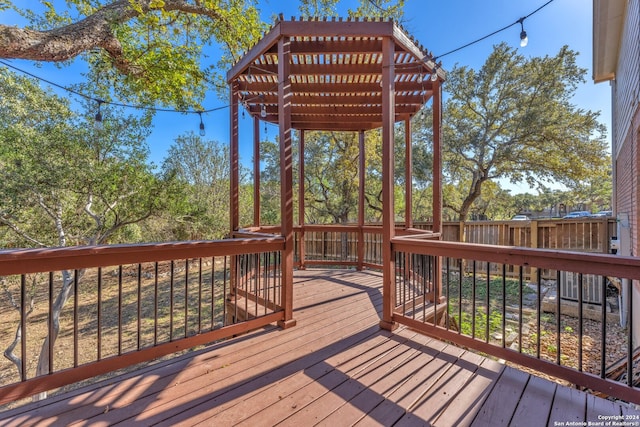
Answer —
520 218
577 214
602 213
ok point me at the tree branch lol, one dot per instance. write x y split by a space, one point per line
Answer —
21 232
93 32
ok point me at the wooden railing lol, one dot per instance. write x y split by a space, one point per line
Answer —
350 245
482 306
132 303
74 313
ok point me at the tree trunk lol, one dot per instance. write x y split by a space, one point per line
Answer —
58 305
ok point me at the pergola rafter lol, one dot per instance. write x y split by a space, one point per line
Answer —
335 75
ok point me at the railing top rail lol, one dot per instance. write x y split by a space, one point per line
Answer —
22 261
580 262
417 233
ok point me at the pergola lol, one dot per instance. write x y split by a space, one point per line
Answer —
336 75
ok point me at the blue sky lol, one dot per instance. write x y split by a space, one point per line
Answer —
440 26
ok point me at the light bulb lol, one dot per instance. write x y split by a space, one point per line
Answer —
523 34
263 111
98 117
434 76
202 132
98 122
524 40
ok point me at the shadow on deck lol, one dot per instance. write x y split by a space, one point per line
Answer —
335 368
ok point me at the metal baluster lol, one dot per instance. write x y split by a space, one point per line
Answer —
580 326
521 283
473 303
486 333
171 283
119 310
504 305
75 318
51 328
448 270
558 318
538 311
23 327
199 295
603 337
186 297
155 305
139 305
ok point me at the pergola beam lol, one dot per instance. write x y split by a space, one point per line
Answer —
372 88
337 99
352 69
335 112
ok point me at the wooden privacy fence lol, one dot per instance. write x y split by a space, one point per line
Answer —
338 244
582 235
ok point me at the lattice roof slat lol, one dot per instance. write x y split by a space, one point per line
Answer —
335 73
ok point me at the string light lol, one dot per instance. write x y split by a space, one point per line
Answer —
250 78
434 73
524 40
115 104
98 116
519 21
202 132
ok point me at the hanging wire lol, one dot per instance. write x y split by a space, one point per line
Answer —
101 101
519 21
98 116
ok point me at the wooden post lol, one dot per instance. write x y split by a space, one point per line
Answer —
437 157
437 185
388 209
301 248
256 172
286 179
234 179
234 157
361 177
533 237
408 174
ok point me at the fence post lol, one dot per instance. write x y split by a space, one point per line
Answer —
533 243
604 235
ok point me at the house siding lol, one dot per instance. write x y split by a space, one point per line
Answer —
626 86
626 137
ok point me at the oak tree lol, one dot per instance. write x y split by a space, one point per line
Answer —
514 119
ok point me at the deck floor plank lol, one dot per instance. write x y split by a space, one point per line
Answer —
437 398
229 373
335 368
600 407
569 405
500 405
250 403
535 404
465 405
379 387
358 382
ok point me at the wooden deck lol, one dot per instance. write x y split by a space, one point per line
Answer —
335 368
